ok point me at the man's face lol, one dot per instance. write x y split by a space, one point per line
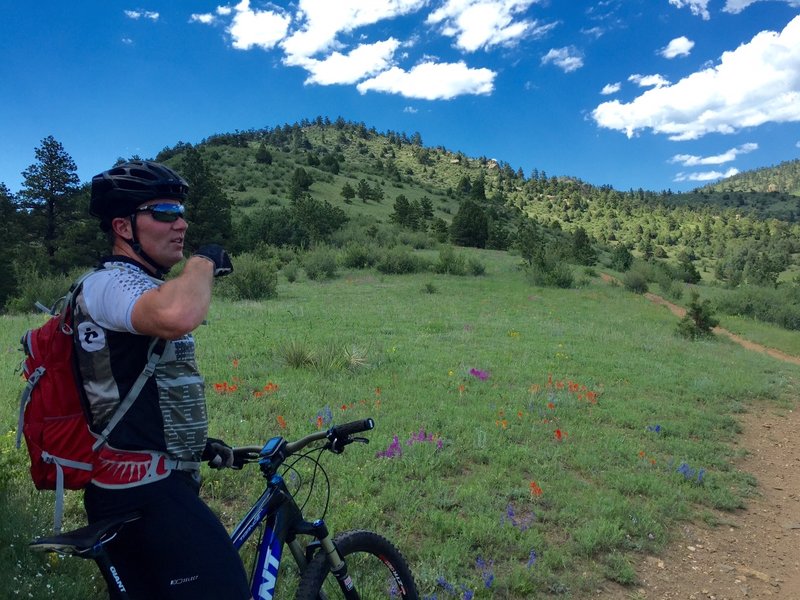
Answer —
161 229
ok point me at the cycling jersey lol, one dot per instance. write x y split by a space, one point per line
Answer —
168 418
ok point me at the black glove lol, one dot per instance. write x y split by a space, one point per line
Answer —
218 454
217 255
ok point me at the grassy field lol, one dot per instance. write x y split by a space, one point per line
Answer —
564 432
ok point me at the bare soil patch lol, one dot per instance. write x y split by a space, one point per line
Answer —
754 552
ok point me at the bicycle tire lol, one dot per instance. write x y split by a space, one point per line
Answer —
377 568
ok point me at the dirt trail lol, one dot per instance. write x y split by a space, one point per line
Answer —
755 552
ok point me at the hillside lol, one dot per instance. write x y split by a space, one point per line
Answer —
706 225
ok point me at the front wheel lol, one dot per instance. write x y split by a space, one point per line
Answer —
376 567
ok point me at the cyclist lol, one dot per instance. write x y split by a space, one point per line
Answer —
150 460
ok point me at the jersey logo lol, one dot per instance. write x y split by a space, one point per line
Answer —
92 338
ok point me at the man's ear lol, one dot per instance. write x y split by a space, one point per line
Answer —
121 226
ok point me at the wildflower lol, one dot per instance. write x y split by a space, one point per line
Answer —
535 489
641 454
281 422
271 387
519 414
654 428
486 571
394 449
235 363
378 391
482 375
591 397
700 475
551 406
560 435
319 421
532 559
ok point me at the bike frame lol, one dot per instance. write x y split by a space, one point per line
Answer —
284 522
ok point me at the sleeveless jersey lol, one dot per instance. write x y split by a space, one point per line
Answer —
169 415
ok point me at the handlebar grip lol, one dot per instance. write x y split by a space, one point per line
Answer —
354 427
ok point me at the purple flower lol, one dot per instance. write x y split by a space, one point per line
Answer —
532 558
482 375
394 449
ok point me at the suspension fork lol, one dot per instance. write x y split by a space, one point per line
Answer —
336 564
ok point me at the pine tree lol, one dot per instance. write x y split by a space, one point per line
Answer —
470 226
208 208
48 195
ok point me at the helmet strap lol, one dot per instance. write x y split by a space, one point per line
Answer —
158 270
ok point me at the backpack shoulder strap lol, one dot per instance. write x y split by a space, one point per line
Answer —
154 353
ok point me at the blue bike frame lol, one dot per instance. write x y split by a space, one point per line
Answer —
283 522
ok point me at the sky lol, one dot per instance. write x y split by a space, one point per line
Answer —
652 94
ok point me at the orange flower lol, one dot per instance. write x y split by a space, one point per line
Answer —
319 422
519 414
271 387
559 435
281 422
344 406
551 406
235 363
591 397
559 385
258 393
641 453
535 489
377 391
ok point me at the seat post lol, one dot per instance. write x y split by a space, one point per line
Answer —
111 575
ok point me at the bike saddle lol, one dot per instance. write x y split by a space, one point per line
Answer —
85 542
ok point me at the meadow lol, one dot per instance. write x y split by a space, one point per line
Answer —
529 443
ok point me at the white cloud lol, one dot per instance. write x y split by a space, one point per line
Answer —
323 20
737 6
477 24
707 175
757 83
611 88
689 160
141 14
127 41
569 58
410 110
205 19
364 61
680 46
262 28
655 81
698 7
432 81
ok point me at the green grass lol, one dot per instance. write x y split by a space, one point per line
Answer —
384 347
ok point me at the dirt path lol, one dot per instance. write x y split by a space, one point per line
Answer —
755 552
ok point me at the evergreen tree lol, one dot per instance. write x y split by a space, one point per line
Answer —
208 208
263 156
299 184
582 249
10 247
48 197
348 193
470 226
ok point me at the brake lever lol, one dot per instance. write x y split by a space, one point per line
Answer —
242 456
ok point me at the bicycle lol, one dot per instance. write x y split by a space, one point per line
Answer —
356 564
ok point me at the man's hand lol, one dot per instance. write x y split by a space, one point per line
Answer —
217 255
218 454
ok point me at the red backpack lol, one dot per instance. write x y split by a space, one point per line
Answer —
51 416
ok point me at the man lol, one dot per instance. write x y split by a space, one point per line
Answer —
126 318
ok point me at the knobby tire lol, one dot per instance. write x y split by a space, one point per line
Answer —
378 570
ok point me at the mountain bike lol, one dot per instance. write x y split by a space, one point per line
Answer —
354 565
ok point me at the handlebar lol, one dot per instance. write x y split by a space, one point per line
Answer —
276 450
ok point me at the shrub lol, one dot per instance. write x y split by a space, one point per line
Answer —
476 267
550 274
290 271
635 281
397 261
358 255
698 321
45 289
450 263
253 278
320 263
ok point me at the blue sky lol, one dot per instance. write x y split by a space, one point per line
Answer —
657 94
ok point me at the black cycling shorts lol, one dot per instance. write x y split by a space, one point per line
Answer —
177 550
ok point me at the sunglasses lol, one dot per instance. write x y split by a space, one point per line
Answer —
164 213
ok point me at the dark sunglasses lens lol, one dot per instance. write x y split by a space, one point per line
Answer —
166 213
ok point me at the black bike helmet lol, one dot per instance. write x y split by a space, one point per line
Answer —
118 191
